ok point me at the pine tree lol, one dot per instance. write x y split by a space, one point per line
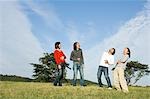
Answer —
136 71
46 69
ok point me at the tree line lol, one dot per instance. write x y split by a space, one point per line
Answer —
45 71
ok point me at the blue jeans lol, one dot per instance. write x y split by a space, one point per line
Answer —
77 66
106 74
59 76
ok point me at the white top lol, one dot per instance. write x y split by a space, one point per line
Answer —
108 57
124 61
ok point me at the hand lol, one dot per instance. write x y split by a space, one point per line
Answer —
62 58
78 59
106 61
59 66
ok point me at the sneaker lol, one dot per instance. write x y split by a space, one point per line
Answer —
109 88
100 86
60 84
84 85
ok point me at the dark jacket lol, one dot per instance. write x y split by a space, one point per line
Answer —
77 54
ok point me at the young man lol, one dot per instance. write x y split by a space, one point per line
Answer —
107 59
78 62
60 61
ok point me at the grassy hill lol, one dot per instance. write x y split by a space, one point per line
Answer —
25 79
36 90
14 78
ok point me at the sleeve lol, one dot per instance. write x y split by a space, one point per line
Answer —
125 59
64 55
56 57
72 56
111 61
82 56
103 57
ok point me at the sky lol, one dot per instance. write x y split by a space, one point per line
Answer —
28 28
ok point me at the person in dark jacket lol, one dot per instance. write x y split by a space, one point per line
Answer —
78 62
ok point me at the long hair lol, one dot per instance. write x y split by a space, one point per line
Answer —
129 52
75 46
57 45
113 51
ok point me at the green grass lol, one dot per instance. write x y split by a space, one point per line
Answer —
32 90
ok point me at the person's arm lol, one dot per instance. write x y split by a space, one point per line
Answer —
64 55
115 66
56 57
103 58
124 60
107 62
111 61
72 57
82 57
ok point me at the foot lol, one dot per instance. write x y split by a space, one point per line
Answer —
60 84
100 85
84 85
118 89
125 91
109 88
55 84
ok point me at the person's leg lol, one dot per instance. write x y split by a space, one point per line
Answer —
61 76
81 75
99 74
122 80
57 77
75 72
116 79
106 74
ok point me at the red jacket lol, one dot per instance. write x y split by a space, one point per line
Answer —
57 55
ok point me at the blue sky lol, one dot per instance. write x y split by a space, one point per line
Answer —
104 17
34 26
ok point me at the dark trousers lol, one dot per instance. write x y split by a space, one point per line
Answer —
106 74
59 75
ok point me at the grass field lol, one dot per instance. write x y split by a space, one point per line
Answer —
32 90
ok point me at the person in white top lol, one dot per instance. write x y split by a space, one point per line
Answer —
107 59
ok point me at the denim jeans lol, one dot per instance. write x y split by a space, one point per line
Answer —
106 74
59 76
78 67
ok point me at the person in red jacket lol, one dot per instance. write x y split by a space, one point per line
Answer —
59 57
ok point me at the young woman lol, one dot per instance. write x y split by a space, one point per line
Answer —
119 78
78 62
60 61
107 59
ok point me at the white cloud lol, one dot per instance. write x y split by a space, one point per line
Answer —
19 46
46 13
133 34
49 15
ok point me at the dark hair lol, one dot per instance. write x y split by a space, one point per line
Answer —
57 45
75 46
113 51
129 52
